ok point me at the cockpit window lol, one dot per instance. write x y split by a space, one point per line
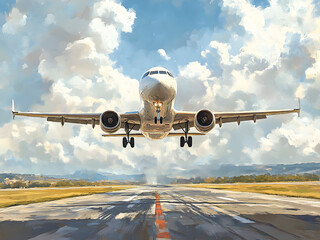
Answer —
170 74
162 72
146 74
154 72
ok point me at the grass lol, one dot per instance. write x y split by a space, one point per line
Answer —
19 197
308 190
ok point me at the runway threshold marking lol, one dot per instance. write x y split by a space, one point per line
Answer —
163 232
220 210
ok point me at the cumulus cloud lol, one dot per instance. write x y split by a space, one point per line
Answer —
163 54
14 22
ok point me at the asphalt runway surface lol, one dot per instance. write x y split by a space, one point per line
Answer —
165 212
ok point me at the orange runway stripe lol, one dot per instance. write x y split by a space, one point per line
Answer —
163 232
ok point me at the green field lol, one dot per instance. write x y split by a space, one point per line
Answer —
19 196
309 190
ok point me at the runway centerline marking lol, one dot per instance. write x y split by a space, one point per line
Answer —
163 232
226 212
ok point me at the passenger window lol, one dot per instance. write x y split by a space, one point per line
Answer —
162 72
153 72
146 74
170 74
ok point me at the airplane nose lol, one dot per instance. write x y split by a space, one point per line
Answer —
160 90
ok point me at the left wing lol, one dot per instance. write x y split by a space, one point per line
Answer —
80 118
227 117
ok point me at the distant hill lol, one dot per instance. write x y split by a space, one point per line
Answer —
299 168
96 176
78 175
24 177
221 171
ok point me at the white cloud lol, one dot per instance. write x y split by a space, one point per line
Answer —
14 22
50 19
114 14
163 54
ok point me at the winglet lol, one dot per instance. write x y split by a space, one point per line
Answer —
12 109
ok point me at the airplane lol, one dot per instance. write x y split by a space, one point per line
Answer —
157 117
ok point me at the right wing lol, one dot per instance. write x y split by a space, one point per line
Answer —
226 117
81 118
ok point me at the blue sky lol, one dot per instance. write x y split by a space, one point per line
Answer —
81 56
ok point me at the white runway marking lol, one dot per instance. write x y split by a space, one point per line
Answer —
228 199
130 198
131 216
233 215
130 205
152 210
217 209
191 198
110 207
81 209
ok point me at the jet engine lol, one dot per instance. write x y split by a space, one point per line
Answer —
204 121
110 121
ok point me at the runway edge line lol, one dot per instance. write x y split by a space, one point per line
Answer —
162 230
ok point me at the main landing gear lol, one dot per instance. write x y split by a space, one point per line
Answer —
185 139
127 139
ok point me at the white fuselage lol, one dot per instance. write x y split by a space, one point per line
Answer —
158 92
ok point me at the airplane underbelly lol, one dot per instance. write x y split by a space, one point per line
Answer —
155 135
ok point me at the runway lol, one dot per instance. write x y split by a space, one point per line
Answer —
165 212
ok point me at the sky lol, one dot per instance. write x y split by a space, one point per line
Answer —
78 56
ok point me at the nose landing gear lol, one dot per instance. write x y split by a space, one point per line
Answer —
158 118
186 139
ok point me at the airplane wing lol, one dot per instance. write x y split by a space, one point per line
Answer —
227 117
81 118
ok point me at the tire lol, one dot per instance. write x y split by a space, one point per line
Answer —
161 120
189 141
132 142
124 142
182 141
155 120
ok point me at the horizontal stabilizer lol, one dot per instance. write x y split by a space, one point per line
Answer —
141 135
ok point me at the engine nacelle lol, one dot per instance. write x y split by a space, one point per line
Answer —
110 121
204 121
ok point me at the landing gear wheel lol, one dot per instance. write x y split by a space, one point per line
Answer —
124 142
132 142
189 141
161 120
155 120
182 141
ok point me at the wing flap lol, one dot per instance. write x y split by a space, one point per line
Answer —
72 120
241 118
